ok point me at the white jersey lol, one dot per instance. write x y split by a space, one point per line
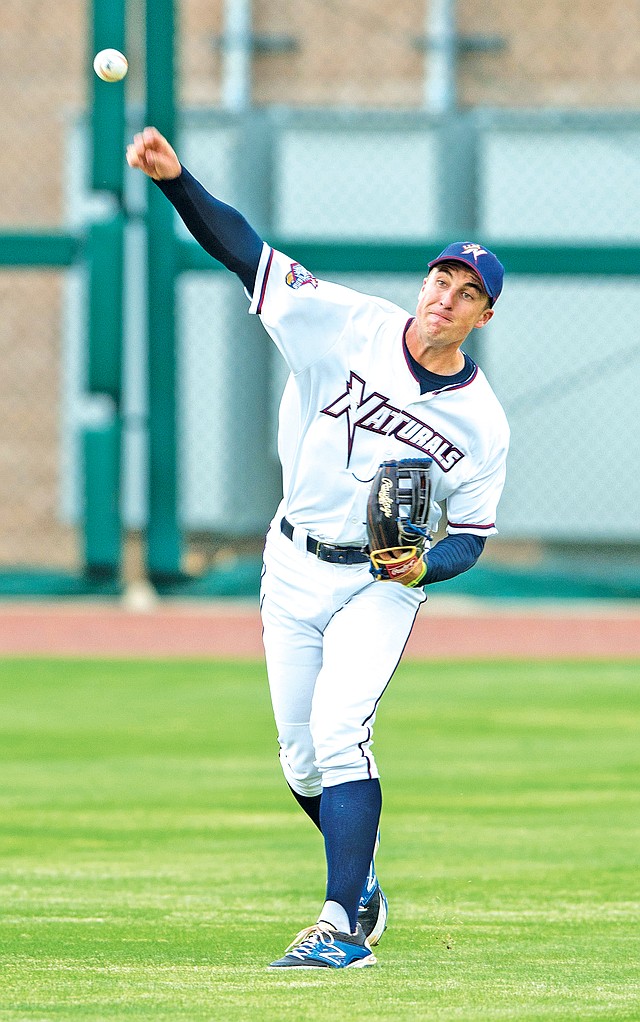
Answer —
352 401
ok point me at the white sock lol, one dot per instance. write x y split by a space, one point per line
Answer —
334 913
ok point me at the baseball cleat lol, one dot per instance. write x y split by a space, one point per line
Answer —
322 947
373 911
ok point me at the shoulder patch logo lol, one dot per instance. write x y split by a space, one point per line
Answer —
298 276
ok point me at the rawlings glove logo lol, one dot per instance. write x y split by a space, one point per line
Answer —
385 497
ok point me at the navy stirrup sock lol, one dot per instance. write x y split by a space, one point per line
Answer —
349 817
310 804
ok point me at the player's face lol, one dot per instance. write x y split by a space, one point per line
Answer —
452 302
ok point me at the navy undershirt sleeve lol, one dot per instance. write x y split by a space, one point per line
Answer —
220 229
453 555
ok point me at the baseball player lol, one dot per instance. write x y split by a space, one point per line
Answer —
368 382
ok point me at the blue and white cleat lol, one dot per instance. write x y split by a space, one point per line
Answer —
373 912
373 908
322 947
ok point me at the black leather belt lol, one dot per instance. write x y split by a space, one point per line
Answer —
326 551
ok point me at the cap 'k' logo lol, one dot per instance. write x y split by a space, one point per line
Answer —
474 250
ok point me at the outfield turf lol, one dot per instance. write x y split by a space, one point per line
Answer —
152 861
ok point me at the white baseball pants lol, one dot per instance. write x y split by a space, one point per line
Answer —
333 637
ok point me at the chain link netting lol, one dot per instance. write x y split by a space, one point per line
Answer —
379 53
32 532
42 89
546 141
558 351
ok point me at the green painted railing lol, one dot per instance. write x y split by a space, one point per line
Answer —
385 257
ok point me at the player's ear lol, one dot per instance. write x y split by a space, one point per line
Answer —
484 318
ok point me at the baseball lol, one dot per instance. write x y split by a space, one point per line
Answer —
110 65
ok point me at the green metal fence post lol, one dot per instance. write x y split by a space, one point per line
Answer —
106 272
102 526
108 101
163 530
101 443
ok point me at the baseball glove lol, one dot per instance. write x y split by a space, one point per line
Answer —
397 513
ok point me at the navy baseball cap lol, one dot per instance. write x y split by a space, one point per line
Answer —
486 265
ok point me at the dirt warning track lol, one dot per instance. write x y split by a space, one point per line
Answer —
444 628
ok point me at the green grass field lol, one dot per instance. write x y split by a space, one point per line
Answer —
152 861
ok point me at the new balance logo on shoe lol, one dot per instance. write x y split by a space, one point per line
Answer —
320 947
330 952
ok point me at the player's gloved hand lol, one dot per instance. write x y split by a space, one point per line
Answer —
397 513
407 565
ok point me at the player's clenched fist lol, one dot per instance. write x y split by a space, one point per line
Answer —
151 153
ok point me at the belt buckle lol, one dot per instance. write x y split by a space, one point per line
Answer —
336 554
323 551
332 554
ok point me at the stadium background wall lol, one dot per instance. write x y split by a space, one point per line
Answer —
108 441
